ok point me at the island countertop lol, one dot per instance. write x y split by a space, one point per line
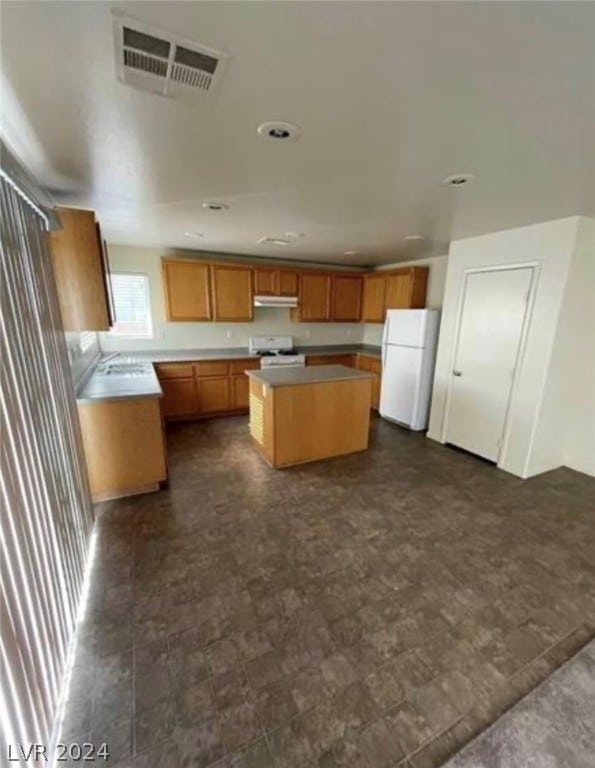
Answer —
296 375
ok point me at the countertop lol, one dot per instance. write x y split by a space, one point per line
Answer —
108 387
231 353
294 375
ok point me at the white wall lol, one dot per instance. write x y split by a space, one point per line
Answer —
436 281
212 335
565 429
549 245
80 361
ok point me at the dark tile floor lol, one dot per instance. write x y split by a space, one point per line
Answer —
374 610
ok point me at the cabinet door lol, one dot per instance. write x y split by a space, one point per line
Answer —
288 283
376 392
232 293
419 277
107 283
347 298
240 391
213 394
374 291
179 397
265 281
315 298
186 285
78 266
398 291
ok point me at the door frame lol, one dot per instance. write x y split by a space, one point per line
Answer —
535 267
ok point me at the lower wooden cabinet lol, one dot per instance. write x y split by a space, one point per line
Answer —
348 360
113 432
179 397
373 365
204 388
213 394
241 391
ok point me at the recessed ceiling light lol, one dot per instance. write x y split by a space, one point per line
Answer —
278 130
458 179
414 237
214 206
194 234
294 235
349 253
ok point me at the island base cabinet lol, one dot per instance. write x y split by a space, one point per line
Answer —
124 446
302 423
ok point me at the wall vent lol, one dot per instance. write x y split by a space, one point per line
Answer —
162 63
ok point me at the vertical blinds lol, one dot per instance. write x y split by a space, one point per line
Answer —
45 516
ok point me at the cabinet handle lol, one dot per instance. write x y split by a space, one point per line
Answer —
457 373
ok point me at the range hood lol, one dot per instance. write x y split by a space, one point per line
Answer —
275 301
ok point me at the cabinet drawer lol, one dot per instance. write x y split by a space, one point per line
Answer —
218 368
239 366
174 370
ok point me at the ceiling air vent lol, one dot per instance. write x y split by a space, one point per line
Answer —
159 62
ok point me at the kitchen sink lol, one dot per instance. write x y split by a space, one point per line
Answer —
122 369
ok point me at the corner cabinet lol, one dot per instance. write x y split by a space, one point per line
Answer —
395 289
231 287
187 290
80 270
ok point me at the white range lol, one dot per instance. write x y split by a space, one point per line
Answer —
275 350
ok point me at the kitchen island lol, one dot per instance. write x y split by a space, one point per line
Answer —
301 414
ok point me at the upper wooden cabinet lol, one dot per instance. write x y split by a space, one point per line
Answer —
347 298
80 271
224 292
406 289
232 292
397 289
269 281
265 281
288 283
314 304
374 293
187 293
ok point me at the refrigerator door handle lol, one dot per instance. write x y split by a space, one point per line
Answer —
384 340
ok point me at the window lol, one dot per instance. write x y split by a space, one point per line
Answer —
86 341
131 305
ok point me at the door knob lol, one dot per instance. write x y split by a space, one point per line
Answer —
457 373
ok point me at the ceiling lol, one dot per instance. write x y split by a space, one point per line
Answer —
390 99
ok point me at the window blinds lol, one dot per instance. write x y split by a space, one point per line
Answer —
131 304
45 516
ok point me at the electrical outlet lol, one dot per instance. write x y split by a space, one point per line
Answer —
229 334
307 334
349 333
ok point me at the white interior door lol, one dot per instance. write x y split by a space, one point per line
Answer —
494 307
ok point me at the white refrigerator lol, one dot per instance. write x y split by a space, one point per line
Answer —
408 355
